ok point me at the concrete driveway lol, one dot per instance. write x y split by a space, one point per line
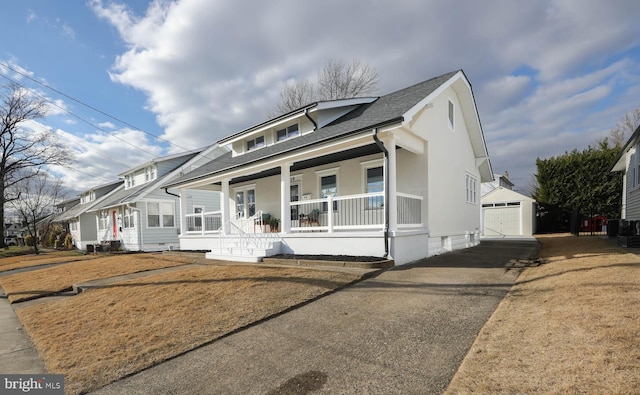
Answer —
403 331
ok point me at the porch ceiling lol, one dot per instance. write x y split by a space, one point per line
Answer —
313 162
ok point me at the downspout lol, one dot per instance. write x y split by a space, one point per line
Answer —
386 191
306 113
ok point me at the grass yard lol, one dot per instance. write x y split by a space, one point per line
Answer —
21 261
103 334
569 326
48 281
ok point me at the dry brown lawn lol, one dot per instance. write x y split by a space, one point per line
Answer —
570 326
21 261
47 281
104 334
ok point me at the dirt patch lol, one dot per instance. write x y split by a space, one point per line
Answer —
567 326
104 334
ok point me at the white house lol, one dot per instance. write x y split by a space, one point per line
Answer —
80 223
628 162
142 215
505 212
396 176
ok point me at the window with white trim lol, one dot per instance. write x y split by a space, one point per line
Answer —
329 187
472 189
288 132
255 143
374 177
103 220
160 215
73 224
245 201
197 221
129 218
150 173
451 115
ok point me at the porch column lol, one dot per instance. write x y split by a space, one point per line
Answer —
391 172
285 198
225 207
183 211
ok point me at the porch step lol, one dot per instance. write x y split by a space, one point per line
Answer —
236 254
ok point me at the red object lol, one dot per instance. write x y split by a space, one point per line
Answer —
594 224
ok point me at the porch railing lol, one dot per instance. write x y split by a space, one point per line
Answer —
409 210
246 235
353 212
203 223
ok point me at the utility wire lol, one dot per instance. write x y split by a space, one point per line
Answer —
90 106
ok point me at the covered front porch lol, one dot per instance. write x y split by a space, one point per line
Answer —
340 200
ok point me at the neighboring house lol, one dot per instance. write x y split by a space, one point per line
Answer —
142 215
81 223
11 229
397 176
506 212
628 162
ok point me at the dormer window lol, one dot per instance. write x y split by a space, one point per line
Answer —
150 173
256 143
288 132
130 181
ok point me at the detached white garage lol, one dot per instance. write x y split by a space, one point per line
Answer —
507 213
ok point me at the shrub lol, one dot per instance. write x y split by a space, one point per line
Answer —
29 240
68 241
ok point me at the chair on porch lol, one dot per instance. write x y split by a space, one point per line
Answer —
313 217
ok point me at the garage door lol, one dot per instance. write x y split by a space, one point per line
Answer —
501 219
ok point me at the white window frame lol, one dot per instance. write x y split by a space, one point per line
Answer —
73 224
288 132
195 209
371 164
245 189
255 143
471 188
129 218
327 173
161 214
451 114
103 220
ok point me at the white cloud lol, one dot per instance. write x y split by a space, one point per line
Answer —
542 71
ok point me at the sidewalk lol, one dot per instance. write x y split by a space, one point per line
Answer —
17 353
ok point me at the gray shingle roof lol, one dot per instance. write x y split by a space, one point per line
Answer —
386 109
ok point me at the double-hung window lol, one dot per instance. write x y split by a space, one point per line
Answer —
103 220
160 215
255 143
128 218
288 132
329 187
472 189
375 184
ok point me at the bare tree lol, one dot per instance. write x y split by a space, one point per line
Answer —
625 127
24 151
336 80
295 95
39 194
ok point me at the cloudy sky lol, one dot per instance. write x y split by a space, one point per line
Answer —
137 79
